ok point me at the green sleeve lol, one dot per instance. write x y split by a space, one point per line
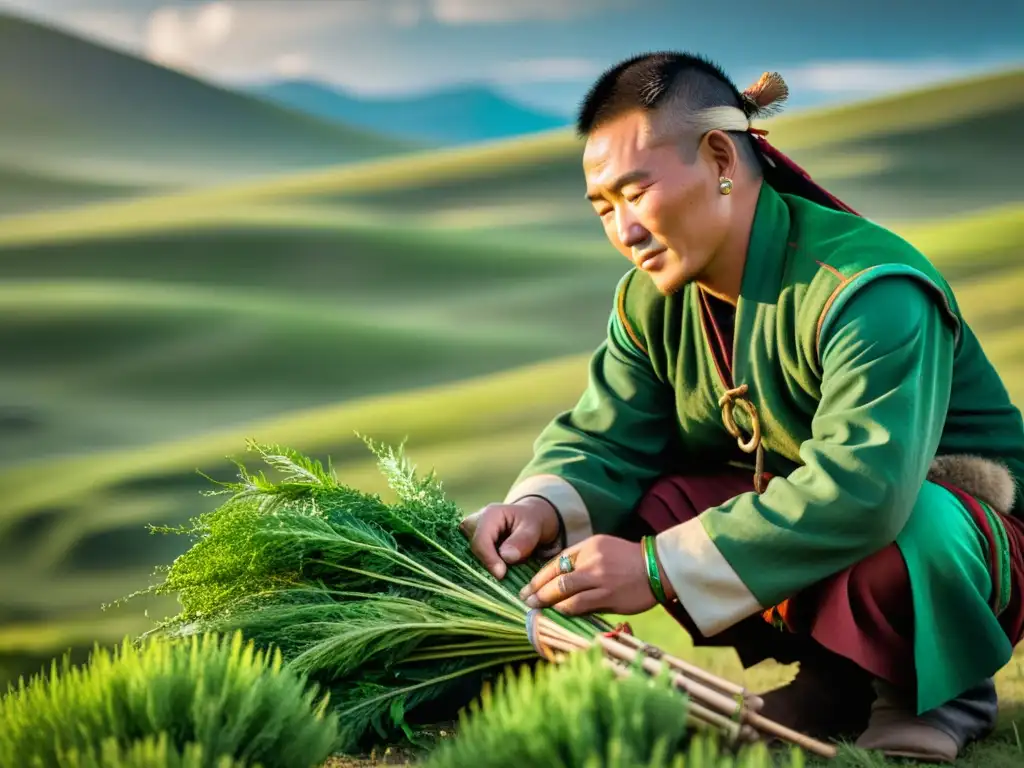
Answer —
611 445
887 360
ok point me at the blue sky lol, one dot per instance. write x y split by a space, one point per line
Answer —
546 52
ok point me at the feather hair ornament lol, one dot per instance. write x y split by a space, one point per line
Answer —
765 97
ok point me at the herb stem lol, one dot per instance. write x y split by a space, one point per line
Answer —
476 574
404 691
457 653
447 588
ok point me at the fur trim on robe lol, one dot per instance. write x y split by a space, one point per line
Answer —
982 478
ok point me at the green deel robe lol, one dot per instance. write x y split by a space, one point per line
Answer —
861 370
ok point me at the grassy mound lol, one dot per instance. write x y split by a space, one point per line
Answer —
581 714
209 702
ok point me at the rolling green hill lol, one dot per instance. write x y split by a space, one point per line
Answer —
923 154
81 122
919 156
452 297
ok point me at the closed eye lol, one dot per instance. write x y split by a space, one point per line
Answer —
635 197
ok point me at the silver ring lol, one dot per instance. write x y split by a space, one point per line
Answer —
566 564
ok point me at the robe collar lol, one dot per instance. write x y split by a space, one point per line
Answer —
768 249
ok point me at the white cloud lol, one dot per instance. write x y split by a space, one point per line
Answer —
214 22
507 11
547 70
865 77
168 38
245 40
180 37
292 65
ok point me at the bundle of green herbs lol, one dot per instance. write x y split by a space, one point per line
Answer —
382 604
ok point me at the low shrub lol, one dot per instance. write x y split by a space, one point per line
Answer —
206 702
152 752
579 715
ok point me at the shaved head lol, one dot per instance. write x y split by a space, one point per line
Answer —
680 94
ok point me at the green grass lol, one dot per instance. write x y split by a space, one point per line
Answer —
210 698
452 297
30 190
82 122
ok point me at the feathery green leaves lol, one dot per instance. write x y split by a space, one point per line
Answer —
383 604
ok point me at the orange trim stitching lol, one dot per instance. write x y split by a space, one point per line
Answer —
831 300
621 308
831 269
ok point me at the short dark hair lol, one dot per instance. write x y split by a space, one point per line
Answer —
651 81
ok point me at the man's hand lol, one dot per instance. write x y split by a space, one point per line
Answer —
506 534
609 575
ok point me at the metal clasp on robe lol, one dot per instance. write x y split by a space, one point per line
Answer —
727 402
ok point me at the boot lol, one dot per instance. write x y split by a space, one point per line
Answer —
938 736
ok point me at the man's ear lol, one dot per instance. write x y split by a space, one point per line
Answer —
719 148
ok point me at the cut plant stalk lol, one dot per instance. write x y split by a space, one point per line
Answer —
753 701
700 715
706 679
720 702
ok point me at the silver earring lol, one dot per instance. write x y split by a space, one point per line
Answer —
724 185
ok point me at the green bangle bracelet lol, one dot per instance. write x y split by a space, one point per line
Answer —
653 576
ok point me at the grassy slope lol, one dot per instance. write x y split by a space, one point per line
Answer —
144 340
82 122
922 154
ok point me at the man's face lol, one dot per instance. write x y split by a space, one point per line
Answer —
664 214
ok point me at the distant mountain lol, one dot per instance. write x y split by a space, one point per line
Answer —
447 117
73 109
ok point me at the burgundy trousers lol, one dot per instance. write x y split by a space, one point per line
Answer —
863 615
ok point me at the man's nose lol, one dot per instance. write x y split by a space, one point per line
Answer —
631 232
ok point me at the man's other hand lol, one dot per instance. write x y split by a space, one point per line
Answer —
608 575
505 534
